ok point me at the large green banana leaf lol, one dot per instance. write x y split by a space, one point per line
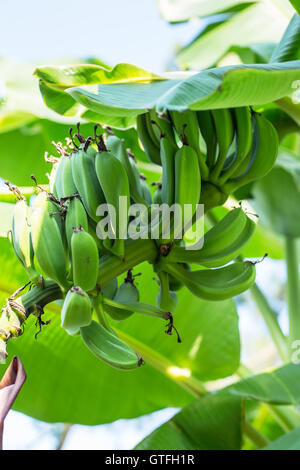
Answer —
54 80
250 23
289 46
215 88
67 383
216 421
20 101
289 441
276 196
28 126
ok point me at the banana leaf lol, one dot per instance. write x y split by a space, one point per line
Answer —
222 87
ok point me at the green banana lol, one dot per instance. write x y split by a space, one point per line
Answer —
127 292
92 229
215 284
52 179
55 185
43 201
166 299
64 185
225 134
244 136
117 147
109 289
85 259
106 346
264 153
222 244
47 240
86 181
187 180
157 195
21 238
152 128
187 127
207 129
174 284
150 146
161 125
75 217
167 155
147 196
115 185
77 310
211 196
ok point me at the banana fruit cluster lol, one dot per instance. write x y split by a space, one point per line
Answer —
233 147
56 236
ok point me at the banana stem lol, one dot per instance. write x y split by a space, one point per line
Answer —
101 315
258 439
181 377
271 322
136 252
293 290
16 311
143 309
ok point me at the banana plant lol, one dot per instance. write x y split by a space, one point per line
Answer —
210 135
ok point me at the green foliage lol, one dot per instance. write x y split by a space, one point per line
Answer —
201 426
279 210
183 10
289 441
220 88
216 421
54 80
288 47
246 25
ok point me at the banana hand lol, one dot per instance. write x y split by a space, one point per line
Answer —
222 244
263 156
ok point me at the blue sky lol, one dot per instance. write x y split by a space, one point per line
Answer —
115 31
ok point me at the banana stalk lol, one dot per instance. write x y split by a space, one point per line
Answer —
17 310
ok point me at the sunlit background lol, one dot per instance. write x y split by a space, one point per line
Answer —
114 31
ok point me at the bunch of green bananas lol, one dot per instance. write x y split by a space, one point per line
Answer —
56 237
232 146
